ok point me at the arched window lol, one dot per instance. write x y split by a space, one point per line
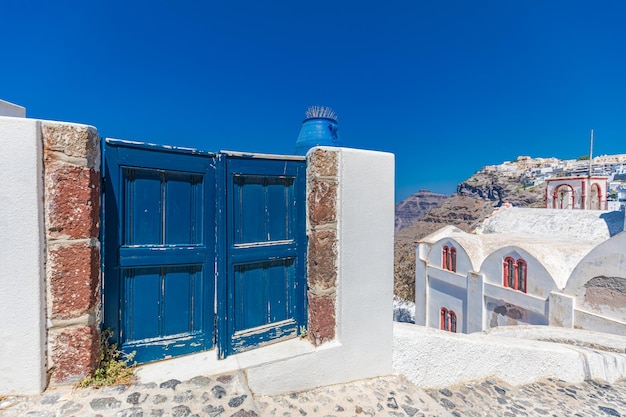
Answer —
452 321
509 272
514 274
452 263
595 202
448 320
448 258
564 197
521 275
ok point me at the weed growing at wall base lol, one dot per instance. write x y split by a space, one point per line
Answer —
303 332
114 368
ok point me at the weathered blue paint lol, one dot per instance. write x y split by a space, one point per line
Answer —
317 132
185 228
263 227
159 219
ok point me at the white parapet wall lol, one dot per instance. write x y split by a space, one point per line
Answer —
11 110
22 286
433 358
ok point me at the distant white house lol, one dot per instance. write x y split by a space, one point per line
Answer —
525 266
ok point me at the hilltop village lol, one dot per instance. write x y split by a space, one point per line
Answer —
536 171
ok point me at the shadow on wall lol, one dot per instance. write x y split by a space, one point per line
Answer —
614 221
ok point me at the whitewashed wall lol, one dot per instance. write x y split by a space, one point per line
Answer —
463 262
437 288
435 359
11 110
22 286
443 294
539 280
505 306
598 283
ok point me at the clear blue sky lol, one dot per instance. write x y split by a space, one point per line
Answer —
447 86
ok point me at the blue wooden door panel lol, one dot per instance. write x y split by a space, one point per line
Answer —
144 212
262 293
265 295
141 313
159 249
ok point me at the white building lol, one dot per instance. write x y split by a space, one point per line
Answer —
585 193
526 266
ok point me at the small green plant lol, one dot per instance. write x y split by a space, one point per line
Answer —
303 332
114 366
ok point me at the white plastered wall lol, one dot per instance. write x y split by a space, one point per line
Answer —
421 283
463 261
597 284
22 304
451 294
443 288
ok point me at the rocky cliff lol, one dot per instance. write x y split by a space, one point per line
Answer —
415 207
499 188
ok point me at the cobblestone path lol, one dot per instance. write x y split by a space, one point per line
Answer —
228 396
548 397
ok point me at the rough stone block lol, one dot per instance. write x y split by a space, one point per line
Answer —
322 163
73 140
322 202
74 354
322 259
73 273
72 195
321 318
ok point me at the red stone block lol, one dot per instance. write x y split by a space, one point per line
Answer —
74 273
322 163
321 318
322 259
75 354
72 195
77 141
322 202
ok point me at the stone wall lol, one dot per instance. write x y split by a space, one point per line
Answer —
71 155
322 183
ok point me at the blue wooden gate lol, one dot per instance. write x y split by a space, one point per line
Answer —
184 229
263 245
